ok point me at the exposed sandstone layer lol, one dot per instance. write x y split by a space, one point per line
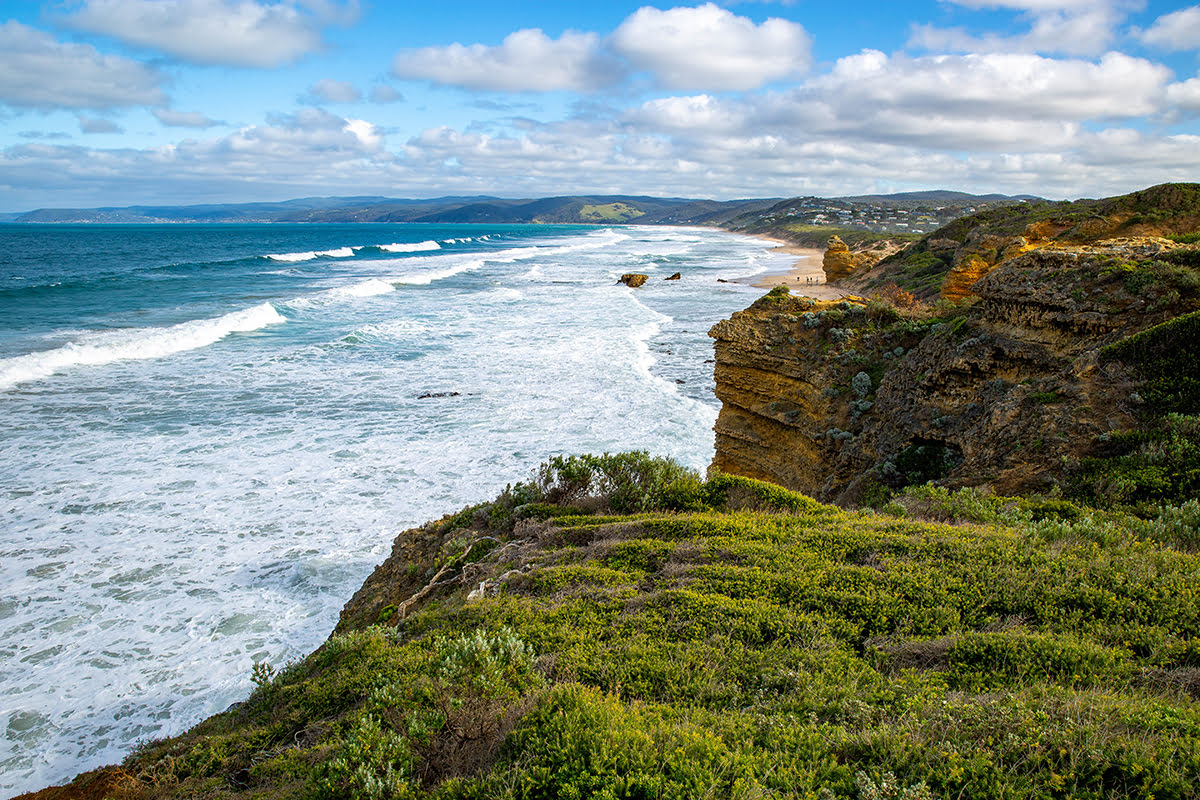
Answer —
840 262
833 399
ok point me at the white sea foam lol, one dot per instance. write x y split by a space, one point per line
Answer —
309 255
135 343
410 247
369 288
503 294
165 531
424 277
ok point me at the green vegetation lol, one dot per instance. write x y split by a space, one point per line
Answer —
649 634
1160 460
610 212
818 235
1167 357
1167 210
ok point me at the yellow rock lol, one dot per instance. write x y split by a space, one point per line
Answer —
839 262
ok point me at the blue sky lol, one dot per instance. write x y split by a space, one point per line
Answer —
116 102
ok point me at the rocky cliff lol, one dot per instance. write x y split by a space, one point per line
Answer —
1012 390
950 261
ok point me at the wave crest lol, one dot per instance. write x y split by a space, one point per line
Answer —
135 344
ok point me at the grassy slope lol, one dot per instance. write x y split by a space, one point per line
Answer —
1166 210
732 639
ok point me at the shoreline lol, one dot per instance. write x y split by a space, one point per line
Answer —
805 278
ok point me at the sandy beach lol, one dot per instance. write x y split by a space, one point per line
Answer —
805 278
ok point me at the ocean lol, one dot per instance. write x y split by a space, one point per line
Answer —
210 434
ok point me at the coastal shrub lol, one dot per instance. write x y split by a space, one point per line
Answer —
1158 463
896 297
1167 357
581 743
684 494
622 482
919 272
736 492
1189 257
644 555
839 335
1174 526
960 505
983 661
369 762
920 462
887 788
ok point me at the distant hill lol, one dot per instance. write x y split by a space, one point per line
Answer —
934 198
864 219
597 209
880 213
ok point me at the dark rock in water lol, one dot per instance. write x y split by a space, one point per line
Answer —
722 280
674 277
633 279
680 382
428 395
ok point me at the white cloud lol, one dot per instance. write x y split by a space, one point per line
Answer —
1073 27
38 72
382 93
98 125
314 152
995 85
1179 30
707 47
242 33
1185 95
331 91
527 60
1039 6
183 119
684 114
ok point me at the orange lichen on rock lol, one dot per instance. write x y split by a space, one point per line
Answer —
963 276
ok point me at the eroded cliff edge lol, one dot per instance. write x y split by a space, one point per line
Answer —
1015 388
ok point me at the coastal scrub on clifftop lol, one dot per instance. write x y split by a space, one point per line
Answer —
617 627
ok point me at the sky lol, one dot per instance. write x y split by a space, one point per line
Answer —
120 102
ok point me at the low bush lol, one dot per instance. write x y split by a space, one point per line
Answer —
758 644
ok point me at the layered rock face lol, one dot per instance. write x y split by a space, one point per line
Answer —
839 399
840 262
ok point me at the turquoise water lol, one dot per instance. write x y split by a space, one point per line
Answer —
209 435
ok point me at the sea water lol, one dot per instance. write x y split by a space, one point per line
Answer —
210 434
